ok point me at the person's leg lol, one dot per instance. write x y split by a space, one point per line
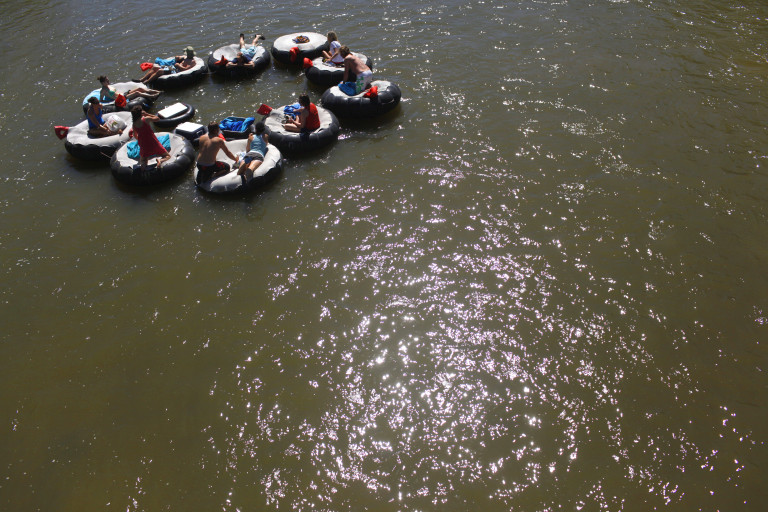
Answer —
204 173
253 166
150 74
154 73
242 41
221 169
144 93
241 168
142 90
165 158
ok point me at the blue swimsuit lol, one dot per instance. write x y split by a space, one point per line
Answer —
98 118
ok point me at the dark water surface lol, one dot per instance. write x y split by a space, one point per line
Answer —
538 285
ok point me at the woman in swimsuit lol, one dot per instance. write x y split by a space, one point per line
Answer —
109 93
96 125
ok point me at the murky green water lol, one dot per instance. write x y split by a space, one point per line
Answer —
539 285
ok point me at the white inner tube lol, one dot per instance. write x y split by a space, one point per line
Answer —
285 43
231 182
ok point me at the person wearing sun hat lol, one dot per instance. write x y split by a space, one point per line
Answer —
188 62
168 66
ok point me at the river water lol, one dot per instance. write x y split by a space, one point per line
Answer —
538 285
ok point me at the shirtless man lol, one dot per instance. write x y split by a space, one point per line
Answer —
181 64
357 67
188 62
208 168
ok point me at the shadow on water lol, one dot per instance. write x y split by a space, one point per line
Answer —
88 167
374 126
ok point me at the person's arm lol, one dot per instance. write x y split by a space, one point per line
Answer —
149 117
223 146
109 94
346 69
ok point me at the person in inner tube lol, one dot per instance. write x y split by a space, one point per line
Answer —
333 57
183 63
247 53
109 93
308 118
96 125
208 168
257 147
149 146
354 65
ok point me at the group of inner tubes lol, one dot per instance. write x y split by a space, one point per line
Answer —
236 154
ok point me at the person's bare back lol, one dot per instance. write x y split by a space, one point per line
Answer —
210 145
354 64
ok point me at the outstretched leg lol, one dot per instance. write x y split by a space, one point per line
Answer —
222 168
253 166
152 74
102 131
165 158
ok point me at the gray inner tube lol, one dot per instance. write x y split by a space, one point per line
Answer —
281 48
232 183
290 142
261 60
127 170
328 76
81 145
182 78
359 106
